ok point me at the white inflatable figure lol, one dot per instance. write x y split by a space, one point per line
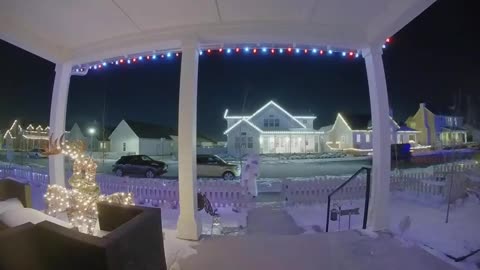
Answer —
250 173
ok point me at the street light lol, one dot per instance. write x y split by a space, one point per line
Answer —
92 132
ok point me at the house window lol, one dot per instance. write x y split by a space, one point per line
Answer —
277 122
265 122
124 147
367 138
237 142
359 139
243 141
250 142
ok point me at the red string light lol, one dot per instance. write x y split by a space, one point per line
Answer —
273 51
255 50
289 49
121 61
220 50
321 52
237 50
306 51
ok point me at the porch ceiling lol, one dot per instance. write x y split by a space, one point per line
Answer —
60 30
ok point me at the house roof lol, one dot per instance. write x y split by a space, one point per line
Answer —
150 131
325 128
407 129
356 121
155 131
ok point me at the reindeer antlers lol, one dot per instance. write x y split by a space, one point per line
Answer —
54 146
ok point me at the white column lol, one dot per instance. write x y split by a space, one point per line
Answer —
58 112
378 218
189 224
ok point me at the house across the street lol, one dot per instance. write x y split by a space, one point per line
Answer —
143 138
437 130
271 129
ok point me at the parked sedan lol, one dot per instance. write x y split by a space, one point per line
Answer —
214 166
139 165
36 153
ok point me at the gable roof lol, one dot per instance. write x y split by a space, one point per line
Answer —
270 103
150 131
356 121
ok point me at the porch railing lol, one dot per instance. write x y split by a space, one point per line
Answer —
343 185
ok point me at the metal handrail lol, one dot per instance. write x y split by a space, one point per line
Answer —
367 196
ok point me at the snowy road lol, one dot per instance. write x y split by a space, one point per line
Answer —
268 169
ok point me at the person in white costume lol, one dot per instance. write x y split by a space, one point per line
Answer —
250 173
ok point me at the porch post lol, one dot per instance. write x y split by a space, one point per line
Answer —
58 112
189 224
378 218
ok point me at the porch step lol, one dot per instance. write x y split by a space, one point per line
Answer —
339 251
271 219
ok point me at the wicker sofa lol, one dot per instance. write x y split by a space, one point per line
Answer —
134 241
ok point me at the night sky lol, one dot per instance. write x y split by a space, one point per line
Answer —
430 60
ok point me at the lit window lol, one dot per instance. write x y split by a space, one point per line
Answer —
367 137
359 139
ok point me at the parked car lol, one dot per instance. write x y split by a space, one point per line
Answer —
36 153
139 165
214 166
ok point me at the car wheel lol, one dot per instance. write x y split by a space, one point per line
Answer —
119 172
228 176
149 174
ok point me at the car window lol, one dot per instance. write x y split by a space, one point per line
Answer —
145 158
134 159
212 160
202 160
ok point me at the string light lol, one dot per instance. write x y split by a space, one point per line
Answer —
212 50
80 202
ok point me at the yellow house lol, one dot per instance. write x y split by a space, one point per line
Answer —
437 130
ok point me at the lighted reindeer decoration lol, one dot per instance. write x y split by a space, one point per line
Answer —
80 202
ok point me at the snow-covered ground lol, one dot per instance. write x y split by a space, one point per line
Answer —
425 225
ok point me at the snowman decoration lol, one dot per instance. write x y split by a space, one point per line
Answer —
250 173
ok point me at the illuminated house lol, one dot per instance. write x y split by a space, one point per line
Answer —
354 132
24 139
271 130
437 130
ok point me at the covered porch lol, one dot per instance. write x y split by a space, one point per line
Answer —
290 143
88 36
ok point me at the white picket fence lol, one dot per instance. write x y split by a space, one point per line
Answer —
443 182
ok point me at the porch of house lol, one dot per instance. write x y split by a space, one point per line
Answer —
86 36
340 250
293 143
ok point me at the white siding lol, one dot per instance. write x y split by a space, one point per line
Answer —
340 133
272 112
124 134
156 147
76 134
233 149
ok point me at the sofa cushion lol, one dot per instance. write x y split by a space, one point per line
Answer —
12 203
15 217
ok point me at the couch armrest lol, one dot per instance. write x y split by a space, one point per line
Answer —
13 189
64 248
112 216
138 243
18 249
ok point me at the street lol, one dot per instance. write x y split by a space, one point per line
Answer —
280 169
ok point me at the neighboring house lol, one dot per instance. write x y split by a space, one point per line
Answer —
354 132
76 134
474 132
271 129
349 132
437 130
142 138
25 139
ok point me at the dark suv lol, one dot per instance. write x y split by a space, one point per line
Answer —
139 164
